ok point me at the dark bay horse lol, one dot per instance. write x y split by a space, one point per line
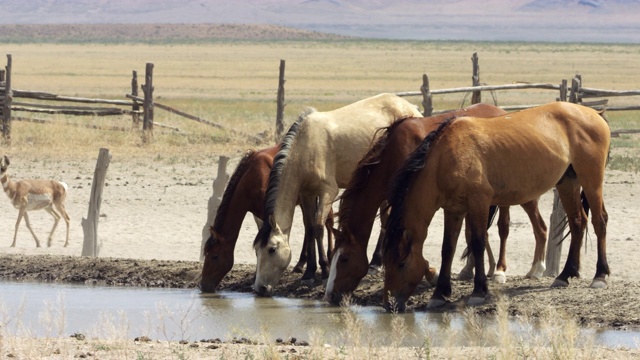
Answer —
466 165
244 193
316 159
368 189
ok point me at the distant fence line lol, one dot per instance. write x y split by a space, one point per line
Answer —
575 93
135 106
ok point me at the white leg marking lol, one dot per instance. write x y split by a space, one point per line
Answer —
332 272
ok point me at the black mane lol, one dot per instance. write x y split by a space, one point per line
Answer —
360 176
402 182
274 177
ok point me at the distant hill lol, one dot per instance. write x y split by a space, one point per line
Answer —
494 20
154 33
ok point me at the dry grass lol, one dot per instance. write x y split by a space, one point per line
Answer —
235 84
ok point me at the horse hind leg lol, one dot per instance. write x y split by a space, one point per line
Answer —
540 234
569 193
593 201
499 275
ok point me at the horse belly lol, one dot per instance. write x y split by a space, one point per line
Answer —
516 193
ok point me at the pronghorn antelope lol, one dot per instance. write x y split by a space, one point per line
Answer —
28 195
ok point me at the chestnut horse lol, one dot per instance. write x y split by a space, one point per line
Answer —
316 159
368 188
466 165
244 193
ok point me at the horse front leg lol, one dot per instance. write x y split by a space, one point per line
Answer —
308 211
478 216
375 265
452 227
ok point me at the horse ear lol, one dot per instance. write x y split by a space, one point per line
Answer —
211 230
272 221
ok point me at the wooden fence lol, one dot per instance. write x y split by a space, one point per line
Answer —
134 106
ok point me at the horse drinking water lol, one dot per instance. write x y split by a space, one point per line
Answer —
368 189
316 159
466 165
244 193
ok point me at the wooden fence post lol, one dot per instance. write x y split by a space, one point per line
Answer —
6 106
280 107
147 88
135 117
563 90
427 100
476 97
214 201
90 224
554 244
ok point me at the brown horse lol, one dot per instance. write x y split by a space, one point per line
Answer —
466 165
244 193
368 189
317 157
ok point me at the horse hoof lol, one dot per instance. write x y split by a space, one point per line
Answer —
598 284
537 271
308 282
465 275
500 277
559 283
435 303
475 300
297 269
374 270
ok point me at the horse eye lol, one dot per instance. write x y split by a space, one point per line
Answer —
401 265
344 258
272 250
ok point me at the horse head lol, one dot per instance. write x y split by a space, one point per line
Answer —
218 261
273 256
349 264
403 271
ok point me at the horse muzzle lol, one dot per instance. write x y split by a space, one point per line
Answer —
208 287
333 298
264 290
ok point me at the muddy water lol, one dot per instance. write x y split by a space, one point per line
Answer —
45 309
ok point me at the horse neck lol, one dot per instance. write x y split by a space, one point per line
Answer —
363 205
286 200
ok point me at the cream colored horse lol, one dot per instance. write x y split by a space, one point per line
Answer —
316 159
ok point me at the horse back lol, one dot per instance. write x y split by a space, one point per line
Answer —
520 155
334 141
